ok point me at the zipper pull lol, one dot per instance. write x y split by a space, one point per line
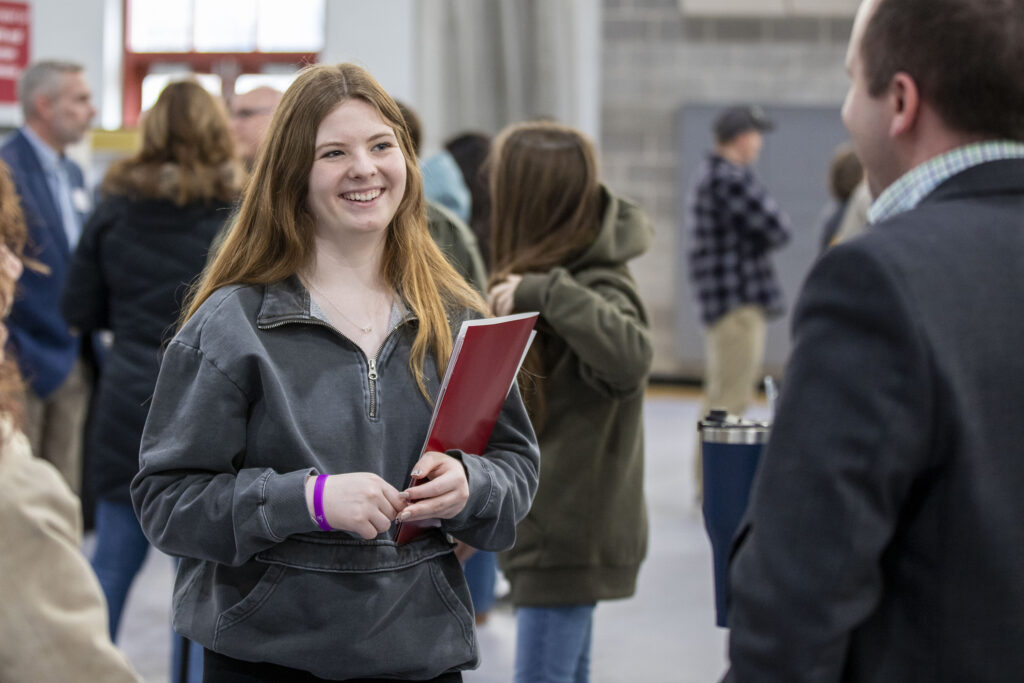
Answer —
372 374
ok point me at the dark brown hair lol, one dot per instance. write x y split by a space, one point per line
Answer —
966 57
187 155
412 124
470 152
546 210
546 198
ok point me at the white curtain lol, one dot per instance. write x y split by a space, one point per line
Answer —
482 64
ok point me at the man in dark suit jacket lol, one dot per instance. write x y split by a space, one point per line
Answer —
885 535
58 109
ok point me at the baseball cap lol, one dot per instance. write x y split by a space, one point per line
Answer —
732 121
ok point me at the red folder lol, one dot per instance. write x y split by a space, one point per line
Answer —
486 357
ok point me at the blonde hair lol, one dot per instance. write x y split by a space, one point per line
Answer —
187 155
272 236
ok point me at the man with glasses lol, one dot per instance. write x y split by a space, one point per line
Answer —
250 115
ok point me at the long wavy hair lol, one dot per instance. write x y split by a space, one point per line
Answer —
13 235
546 210
188 153
272 237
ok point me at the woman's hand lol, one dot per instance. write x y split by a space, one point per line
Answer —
501 296
360 502
441 489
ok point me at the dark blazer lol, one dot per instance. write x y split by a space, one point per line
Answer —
130 275
45 349
885 535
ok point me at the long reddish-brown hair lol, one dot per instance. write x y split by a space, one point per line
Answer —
13 236
272 235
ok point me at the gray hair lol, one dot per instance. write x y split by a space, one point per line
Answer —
43 78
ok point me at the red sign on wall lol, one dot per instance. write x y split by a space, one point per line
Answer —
14 44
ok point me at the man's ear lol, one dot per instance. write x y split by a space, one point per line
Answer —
906 104
43 107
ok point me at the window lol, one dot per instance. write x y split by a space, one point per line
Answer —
154 83
219 41
225 26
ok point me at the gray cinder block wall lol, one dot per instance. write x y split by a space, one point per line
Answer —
654 61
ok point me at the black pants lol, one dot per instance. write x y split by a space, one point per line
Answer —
219 668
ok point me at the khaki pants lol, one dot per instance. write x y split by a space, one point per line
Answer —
734 353
734 347
55 425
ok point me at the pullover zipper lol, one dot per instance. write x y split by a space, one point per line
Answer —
371 374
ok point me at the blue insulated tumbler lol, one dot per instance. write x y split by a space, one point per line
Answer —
730 449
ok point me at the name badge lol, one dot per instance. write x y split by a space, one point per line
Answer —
80 200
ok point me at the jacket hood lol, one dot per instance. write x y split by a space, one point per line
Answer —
626 232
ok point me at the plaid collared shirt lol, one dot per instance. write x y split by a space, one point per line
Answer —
917 183
734 226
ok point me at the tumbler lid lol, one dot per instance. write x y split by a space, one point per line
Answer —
718 426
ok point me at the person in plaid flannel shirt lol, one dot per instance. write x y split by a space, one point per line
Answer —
735 225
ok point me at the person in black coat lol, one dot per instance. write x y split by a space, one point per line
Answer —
142 247
885 535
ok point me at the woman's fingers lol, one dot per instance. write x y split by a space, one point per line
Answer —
361 502
381 522
392 502
365 504
443 507
501 296
502 304
444 495
439 473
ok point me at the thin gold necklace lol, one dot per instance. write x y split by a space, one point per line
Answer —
365 330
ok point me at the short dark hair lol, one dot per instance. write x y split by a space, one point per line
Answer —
732 122
966 57
470 152
412 124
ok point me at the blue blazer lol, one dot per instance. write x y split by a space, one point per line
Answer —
45 349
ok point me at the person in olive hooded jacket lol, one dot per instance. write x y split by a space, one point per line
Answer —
560 245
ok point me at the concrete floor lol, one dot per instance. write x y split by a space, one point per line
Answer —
664 634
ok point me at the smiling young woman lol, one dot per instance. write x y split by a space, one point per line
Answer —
293 404
358 174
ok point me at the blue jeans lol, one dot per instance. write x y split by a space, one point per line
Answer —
121 549
481 571
553 644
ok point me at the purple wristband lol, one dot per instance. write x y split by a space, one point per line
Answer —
318 502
